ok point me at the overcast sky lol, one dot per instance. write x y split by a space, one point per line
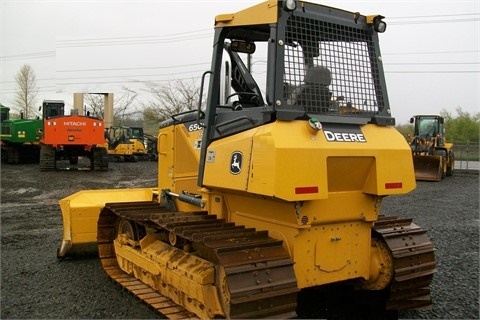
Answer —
431 49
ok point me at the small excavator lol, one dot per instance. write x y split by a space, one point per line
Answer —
129 144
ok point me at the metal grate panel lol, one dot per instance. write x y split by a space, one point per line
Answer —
329 69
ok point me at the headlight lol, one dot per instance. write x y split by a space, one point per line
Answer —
289 5
378 24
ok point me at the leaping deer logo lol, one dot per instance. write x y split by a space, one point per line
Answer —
236 162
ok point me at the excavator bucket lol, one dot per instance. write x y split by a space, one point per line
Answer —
80 212
428 168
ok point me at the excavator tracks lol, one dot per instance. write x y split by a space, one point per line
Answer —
47 158
259 274
99 159
413 262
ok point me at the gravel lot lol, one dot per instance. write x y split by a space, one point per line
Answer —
35 285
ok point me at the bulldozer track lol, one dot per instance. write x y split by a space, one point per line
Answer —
259 271
247 255
413 260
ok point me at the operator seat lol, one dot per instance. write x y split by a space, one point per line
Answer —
315 96
428 133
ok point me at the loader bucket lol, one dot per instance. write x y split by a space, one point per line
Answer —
80 212
428 168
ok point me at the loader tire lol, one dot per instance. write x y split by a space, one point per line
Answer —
450 164
444 162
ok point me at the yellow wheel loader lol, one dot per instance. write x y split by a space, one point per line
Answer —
268 202
433 156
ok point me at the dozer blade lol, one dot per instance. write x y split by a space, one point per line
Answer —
80 212
428 168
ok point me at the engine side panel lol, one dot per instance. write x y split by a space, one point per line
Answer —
73 130
285 160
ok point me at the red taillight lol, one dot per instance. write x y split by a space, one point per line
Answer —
393 185
304 190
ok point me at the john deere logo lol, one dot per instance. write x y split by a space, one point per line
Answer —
236 162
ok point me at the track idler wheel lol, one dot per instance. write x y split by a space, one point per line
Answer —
381 266
129 232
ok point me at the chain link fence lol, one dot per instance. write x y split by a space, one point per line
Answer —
467 155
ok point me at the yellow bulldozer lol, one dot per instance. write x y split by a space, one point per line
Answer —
433 156
269 196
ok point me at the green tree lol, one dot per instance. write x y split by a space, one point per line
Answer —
26 95
405 130
464 127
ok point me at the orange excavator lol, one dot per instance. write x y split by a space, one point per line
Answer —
68 137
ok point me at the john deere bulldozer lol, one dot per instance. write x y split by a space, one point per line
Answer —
269 196
433 156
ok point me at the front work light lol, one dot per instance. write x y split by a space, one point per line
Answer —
378 24
289 5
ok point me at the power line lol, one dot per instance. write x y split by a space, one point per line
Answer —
184 36
134 38
132 42
430 63
34 55
433 21
431 52
190 35
136 75
135 68
438 15
47 54
157 81
111 82
435 71
126 68
125 77
200 71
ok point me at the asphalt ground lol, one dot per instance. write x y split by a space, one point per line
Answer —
34 285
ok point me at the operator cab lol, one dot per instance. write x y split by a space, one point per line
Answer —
4 113
428 127
53 108
314 63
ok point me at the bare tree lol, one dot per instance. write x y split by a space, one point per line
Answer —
122 106
26 95
177 96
